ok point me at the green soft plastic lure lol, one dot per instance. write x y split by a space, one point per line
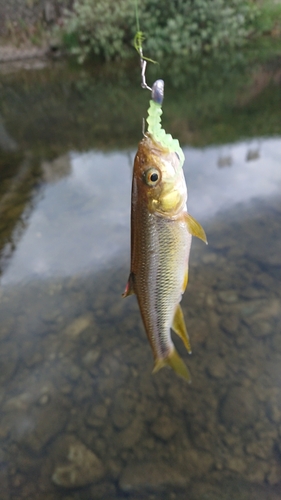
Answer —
154 121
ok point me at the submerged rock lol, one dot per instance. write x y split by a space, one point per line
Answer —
83 467
78 325
164 428
151 476
239 408
130 436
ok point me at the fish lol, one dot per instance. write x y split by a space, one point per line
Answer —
161 234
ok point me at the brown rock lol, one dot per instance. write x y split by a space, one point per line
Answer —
164 427
8 361
77 326
130 436
217 368
123 408
239 408
151 476
83 467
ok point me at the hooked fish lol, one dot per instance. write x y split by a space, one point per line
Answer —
161 233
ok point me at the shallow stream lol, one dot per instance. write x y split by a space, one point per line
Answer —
81 415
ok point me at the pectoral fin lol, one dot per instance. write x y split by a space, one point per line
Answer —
175 362
180 329
129 290
195 228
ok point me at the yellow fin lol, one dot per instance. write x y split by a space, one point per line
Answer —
185 281
129 290
180 329
195 228
175 362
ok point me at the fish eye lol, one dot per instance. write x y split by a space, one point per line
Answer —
152 177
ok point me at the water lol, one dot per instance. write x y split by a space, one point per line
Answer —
81 415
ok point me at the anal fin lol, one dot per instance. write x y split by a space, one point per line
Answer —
180 329
195 228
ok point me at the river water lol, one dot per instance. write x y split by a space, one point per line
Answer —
81 415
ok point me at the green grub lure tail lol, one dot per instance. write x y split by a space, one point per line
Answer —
154 121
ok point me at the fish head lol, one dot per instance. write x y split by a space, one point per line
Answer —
158 178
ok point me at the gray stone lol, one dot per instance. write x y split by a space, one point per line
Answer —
91 358
151 476
197 462
217 368
96 416
257 470
274 475
260 449
130 436
7 325
228 296
8 361
276 342
36 429
83 467
5 493
20 402
74 329
259 314
236 464
239 408
164 428
209 258
123 408
102 491
230 323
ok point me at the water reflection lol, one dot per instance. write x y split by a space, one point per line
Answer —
82 221
81 416
80 409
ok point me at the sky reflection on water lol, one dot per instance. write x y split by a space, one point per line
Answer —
81 222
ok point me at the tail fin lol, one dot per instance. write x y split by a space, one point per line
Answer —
174 361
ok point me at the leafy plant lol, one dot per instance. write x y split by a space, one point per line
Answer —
99 27
106 28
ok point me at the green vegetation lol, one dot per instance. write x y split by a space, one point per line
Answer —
268 19
216 99
180 28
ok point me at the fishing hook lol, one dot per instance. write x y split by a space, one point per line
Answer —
143 69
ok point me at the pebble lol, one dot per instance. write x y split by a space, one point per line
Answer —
108 421
239 408
83 467
164 427
230 323
122 411
91 358
97 416
153 476
228 296
76 327
37 429
8 361
129 437
217 368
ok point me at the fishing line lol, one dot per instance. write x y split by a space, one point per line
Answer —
138 41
